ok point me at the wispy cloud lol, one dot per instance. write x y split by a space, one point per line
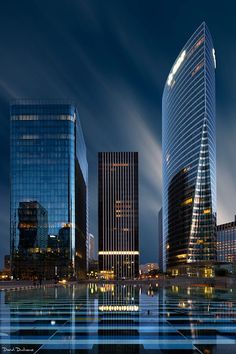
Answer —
126 124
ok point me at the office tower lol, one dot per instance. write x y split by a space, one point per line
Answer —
226 242
118 213
48 190
189 159
160 241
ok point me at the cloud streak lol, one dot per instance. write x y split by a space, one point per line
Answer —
226 172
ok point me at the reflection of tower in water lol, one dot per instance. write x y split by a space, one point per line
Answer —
118 311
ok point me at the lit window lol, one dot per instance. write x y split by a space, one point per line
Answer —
181 256
197 68
206 211
195 46
187 201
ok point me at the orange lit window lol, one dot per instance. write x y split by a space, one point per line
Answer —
181 256
199 242
186 169
195 46
201 40
197 68
187 201
206 211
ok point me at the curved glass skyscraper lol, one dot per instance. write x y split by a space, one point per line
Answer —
189 159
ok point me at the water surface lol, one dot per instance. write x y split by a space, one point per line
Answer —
109 318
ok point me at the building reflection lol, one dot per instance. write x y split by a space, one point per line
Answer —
32 240
43 310
206 313
37 252
33 226
111 318
180 200
118 313
191 246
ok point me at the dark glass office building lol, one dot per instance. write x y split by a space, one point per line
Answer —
189 159
118 211
48 190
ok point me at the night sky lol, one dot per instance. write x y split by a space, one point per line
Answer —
112 58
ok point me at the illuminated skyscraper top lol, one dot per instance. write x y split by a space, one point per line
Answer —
189 156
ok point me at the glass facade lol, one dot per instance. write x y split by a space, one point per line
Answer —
48 190
189 158
118 212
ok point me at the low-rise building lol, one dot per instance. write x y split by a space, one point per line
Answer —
148 267
226 242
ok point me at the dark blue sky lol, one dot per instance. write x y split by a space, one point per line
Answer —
113 57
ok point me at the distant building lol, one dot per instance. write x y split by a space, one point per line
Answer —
93 268
226 242
118 209
160 241
48 190
53 242
148 267
91 247
7 263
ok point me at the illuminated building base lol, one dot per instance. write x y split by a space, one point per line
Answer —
107 275
198 270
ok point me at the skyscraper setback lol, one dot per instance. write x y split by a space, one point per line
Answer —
118 212
48 190
189 159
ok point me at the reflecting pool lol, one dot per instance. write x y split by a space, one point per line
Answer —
115 318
